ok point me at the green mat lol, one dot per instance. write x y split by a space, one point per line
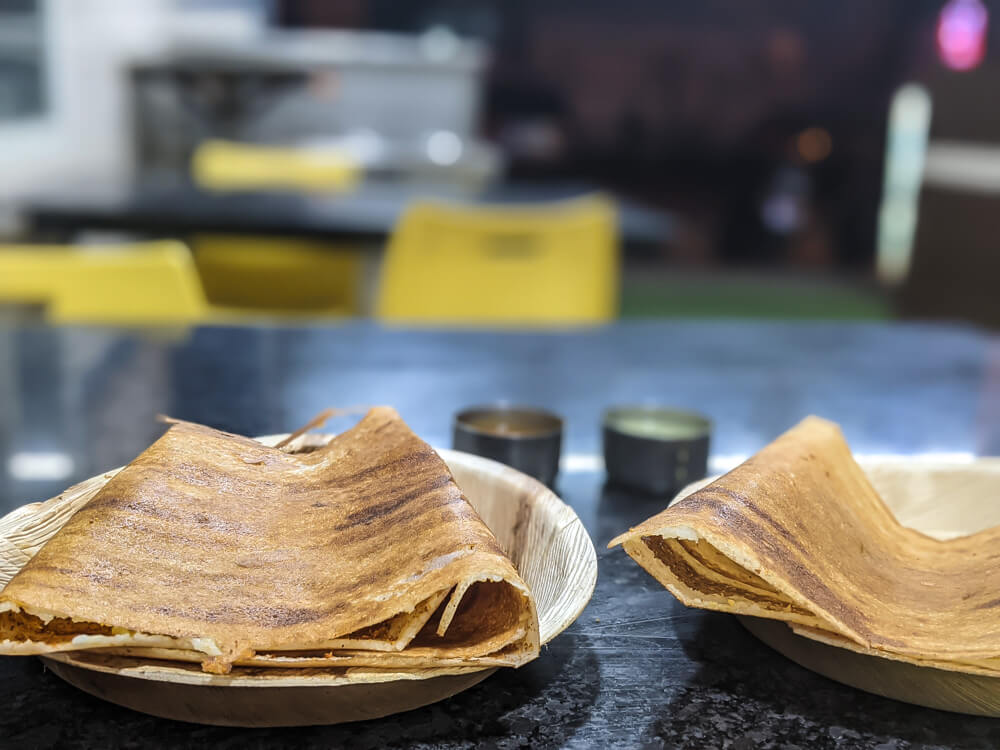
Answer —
750 299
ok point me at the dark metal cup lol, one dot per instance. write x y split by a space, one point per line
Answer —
524 438
655 450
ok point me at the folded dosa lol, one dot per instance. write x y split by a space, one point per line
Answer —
797 533
213 544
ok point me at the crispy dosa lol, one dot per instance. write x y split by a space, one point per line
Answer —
210 543
797 533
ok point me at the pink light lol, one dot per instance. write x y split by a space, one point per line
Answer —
961 34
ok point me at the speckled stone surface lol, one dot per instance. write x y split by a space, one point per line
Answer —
637 669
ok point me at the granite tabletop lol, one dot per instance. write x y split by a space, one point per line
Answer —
637 669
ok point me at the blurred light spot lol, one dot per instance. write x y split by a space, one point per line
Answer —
781 214
961 34
444 147
899 221
725 462
906 149
814 144
582 463
34 465
439 43
365 145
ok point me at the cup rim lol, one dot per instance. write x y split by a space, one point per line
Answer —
696 419
461 417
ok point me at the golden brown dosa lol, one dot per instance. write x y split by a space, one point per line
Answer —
797 533
213 543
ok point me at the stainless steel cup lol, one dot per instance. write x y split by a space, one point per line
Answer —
653 449
525 438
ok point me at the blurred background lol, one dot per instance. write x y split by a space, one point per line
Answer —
498 163
195 197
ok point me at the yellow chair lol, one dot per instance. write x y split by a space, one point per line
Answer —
158 283
229 166
536 265
143 284
280 274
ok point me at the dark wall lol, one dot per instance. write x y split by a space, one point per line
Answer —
695 107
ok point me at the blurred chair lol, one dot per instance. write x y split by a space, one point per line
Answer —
145 283
280 274
228 166
158 283
545 264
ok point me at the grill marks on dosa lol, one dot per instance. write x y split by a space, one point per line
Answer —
797 533
363 551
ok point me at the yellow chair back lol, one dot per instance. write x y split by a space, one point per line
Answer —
280 274
552 264
140 284
225 165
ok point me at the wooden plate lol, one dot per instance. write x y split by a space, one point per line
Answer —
923 686
541 534
943 499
